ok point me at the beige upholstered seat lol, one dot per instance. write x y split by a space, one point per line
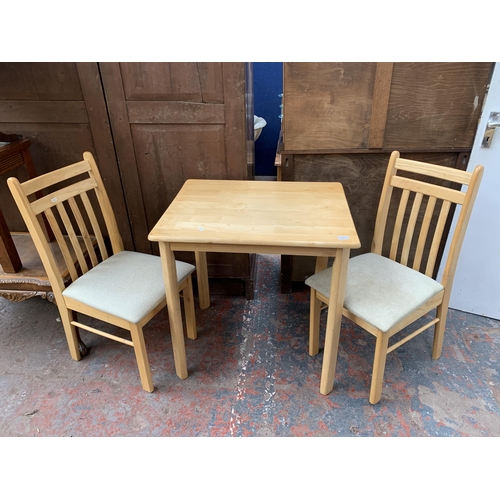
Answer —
380 291
126 285
385 294
123 288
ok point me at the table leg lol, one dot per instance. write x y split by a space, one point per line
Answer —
321 263
334 320
174 308
202 279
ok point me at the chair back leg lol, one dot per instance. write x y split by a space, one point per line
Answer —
439 328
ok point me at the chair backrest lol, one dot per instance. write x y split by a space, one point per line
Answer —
427 199
72 217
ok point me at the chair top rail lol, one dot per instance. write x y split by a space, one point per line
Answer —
445 173
50 178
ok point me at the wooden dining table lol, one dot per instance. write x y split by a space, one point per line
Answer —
262 217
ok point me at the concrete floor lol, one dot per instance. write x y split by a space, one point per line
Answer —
250 375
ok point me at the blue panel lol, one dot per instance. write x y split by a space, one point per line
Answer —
268 84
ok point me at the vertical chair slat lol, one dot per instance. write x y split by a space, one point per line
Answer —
95 225
410 229
72 237
424 231
436 240
83 230
383 208
61 241
399 222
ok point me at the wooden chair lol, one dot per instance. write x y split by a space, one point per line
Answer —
123 288
385 294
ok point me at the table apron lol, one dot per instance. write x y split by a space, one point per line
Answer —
262 249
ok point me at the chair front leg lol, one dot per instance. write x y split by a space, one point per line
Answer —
314 317
141 356
378 368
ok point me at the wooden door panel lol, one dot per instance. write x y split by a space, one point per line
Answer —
435 105
327 105
57 81
40 82
16 82
212 88
189 82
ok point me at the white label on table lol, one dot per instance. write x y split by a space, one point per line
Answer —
342 237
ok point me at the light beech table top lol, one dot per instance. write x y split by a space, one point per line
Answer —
307 216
